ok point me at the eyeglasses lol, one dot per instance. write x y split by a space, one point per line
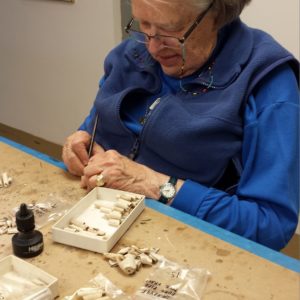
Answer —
133 30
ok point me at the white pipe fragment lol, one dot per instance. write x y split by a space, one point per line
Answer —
126 197
75 227
113 263
120 209
9 223
137 249
12 230
114 215
79 224
138 264
97 231
101 203
145 250
124 250
155 257
113 256
145 259
123 204
105 210
114 222
5 179
128 264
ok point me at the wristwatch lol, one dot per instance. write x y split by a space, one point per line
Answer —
168 190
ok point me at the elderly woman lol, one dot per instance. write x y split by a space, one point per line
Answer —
200 112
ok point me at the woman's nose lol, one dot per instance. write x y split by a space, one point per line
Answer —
154 44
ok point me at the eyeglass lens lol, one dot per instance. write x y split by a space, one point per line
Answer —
141 37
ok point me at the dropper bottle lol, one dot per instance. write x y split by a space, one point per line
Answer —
27 242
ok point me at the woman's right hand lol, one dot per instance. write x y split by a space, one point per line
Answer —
75 153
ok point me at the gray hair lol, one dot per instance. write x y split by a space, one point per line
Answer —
225 10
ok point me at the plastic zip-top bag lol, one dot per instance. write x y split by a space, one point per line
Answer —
170 280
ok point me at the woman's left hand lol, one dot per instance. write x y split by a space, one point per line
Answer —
119 172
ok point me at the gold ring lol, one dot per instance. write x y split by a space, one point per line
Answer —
100 180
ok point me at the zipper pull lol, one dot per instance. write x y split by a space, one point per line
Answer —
153 105
134 150
149 110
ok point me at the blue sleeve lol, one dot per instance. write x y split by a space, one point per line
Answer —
265 206
87 124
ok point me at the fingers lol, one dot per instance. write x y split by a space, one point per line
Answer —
102 161
79 144
116 171
75 155
73 164
83 182
97 149
101 167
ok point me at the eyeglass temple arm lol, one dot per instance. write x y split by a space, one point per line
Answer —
196 23
127 27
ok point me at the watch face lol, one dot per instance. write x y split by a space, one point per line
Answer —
168 190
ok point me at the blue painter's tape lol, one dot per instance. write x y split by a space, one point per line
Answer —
35 153
227 236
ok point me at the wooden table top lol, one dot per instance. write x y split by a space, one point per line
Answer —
235 273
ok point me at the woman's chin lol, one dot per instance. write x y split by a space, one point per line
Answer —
174 70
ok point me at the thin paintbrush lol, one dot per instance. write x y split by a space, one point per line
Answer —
93 136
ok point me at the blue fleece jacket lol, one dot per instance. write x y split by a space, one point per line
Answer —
249 114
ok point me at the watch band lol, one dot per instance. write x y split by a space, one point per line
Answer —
172 181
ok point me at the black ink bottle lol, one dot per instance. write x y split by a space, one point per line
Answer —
27 242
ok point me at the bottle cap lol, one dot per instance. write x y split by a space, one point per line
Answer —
25 219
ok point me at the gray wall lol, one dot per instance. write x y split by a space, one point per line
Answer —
125 15
51 58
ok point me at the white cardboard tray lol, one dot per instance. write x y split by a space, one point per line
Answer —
84 210
25 270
